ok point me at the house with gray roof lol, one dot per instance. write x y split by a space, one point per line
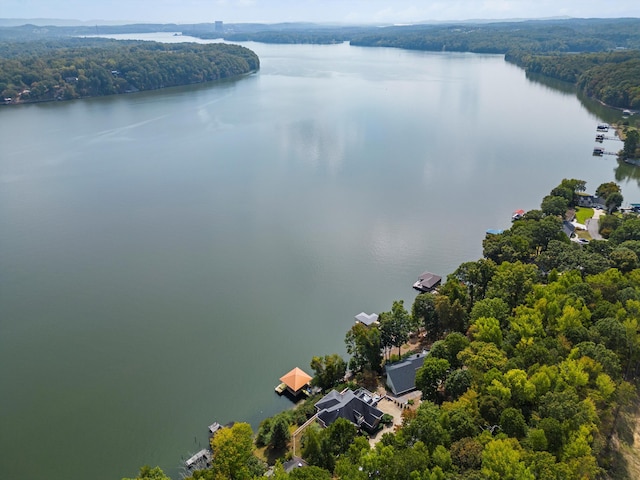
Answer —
358 407
401 376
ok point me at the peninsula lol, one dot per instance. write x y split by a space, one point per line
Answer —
70 68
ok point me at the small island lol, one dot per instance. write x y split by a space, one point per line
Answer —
66 69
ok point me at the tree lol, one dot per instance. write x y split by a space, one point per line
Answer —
476 277
148 473
424 308
363 344
502 460
341 434
457 383
491 307
329 370
611 194
429 377
425 427
512 282
631 143
614 201
394 326
512 423
487 329
232 448
556 206
452 315
310 473
280 434
624 259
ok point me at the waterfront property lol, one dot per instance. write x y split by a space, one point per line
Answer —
401 376
427 282
214 428
295 382
358 407
367 319
199 461
568 228
517 215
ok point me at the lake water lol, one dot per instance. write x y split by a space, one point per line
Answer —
166 256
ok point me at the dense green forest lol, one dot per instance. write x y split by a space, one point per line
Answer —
62 69
611 77
532 371
598 56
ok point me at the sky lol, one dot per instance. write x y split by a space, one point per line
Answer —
333 11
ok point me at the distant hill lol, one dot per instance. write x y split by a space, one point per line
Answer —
58 22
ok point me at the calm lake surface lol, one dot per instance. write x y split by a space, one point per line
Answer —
165 257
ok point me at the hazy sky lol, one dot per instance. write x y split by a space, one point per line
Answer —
349 11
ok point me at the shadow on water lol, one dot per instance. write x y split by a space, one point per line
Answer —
627 172
605 113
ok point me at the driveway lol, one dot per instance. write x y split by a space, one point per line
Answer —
593 224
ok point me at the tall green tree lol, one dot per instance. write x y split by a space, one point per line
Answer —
329 370
424 308
232 449
394 326
364 346
430 376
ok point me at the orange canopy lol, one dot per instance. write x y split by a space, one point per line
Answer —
296 379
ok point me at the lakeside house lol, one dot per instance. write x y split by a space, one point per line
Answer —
367 319
401 376
568 228
358 407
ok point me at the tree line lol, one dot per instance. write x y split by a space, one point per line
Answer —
532 369
63 69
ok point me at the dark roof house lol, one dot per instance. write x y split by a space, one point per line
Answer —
401 376
358 407
568 228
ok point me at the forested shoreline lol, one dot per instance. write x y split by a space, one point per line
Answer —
532 369
65 69
599 56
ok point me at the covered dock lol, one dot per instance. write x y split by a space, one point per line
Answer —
294 382
427 282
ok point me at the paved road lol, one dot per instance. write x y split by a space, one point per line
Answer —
593 224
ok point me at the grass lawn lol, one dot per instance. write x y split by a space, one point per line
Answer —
582 214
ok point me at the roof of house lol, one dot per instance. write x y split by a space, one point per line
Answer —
568 228
367 319
401 376
429 280
358 407
296 379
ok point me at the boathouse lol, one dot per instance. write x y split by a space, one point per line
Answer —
358 407
401 376
294 382
199 461
427 282
367 319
